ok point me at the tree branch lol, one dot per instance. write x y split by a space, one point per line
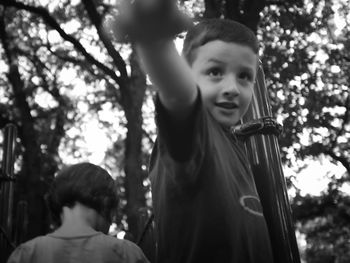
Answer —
344 161
251 13
212 8
148 136
97 21
57 114
67 58
345 120
29 136
305 208
45 15
4 38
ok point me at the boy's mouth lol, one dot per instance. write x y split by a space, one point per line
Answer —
227 105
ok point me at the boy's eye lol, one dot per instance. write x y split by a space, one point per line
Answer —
215 72
246 76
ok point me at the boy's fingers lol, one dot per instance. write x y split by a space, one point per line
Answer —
115 28
146 4
121 22
146 20
117 23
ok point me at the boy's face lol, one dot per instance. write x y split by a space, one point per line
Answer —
225 73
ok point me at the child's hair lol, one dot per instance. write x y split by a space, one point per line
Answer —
217 29
85 183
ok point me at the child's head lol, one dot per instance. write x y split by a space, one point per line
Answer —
83 183
223 56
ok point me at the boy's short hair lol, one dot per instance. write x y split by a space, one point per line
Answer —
217 29
85 183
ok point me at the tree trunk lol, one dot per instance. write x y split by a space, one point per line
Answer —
30 182
135 193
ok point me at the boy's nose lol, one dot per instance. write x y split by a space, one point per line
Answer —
231 88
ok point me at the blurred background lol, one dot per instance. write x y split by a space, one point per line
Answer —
75 95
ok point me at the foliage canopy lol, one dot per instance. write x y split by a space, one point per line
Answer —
61 71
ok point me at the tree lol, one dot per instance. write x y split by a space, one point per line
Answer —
38 150
305 58
306 61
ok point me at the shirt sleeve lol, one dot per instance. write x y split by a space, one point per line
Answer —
181 146
177 137
20 255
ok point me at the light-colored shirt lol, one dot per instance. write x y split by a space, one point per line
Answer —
92 246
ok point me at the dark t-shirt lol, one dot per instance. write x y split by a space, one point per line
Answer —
205 202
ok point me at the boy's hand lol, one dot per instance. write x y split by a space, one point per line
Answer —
148 20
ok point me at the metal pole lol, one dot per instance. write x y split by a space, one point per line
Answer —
7 190
264 158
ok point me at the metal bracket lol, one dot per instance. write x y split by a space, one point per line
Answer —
265 125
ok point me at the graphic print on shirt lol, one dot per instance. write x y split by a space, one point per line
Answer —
251 204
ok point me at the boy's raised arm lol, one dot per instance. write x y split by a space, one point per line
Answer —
172 76
151 25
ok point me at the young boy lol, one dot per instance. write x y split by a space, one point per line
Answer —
205 202
82 199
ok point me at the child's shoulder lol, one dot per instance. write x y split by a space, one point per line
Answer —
37 241
26 250
126 249
120 245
